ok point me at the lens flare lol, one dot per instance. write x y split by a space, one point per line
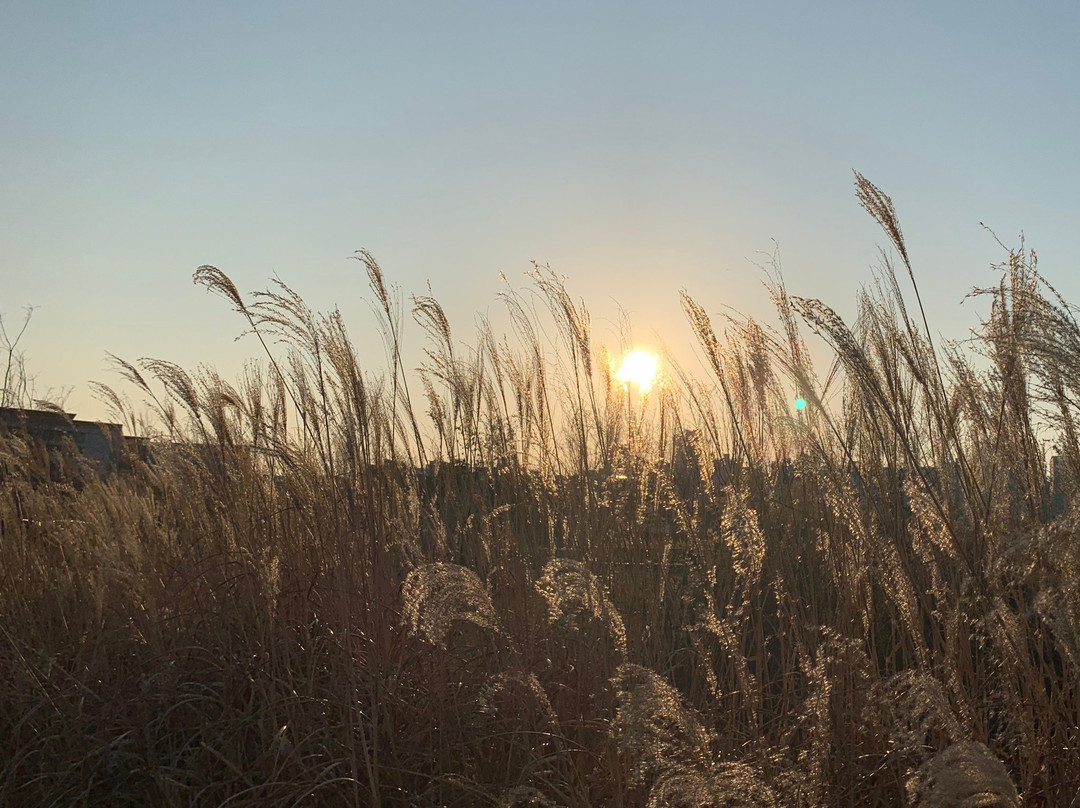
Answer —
800 404
639 368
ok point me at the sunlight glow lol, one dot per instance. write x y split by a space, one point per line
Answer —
639 368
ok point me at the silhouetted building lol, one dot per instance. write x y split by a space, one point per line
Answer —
98 442
1059 485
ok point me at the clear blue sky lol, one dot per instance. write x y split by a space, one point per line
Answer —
637 148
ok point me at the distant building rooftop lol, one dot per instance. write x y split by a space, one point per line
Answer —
100 442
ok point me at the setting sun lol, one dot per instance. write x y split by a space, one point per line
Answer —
639 368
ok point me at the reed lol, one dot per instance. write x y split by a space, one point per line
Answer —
502 581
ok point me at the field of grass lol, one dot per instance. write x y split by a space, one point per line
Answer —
518 583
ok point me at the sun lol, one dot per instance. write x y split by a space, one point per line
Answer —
639 368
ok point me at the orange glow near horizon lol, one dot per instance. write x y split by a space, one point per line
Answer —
639 368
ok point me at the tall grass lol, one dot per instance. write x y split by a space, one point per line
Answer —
503 581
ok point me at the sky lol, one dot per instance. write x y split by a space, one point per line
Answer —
636 148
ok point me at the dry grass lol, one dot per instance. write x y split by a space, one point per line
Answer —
580 599
965 775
